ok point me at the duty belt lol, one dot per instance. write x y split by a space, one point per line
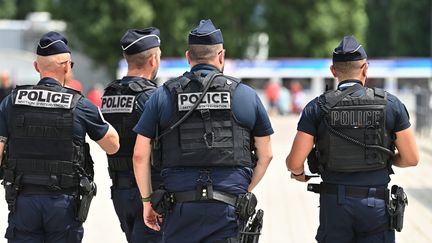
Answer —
351 191
205 194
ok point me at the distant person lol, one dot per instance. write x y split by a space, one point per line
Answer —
5 85
284 101
47 169
75 84
272 92
95 95
141 49
349 136
297 96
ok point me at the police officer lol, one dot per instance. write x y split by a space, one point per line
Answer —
354 130
44 128
122 105
206 150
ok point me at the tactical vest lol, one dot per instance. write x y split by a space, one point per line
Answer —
352 136
118 107
41 148
210 136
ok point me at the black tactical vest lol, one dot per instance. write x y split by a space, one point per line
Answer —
41 147
210 136
118 107
352 136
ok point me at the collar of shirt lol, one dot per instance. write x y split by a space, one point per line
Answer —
50 81
348 83
204 67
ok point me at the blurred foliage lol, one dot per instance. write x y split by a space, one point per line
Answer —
296 28
399 27
8 9
98 25
312 28
176 18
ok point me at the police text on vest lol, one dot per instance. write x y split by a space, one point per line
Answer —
117 104
43 98
211 100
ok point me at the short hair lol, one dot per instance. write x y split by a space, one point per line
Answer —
138 60
349 68
203 53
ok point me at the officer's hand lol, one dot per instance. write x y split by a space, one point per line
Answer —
151 217
301 178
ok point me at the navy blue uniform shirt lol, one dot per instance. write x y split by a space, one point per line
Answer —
397 119
87 117
248 111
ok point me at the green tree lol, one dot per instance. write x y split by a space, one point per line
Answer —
97 26
312 28
399 27
176 18
7 9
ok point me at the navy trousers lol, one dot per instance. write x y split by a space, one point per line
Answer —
44 219
201 222
346 219
129 209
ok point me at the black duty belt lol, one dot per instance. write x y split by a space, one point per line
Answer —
204 195
124 182
351 191
38 189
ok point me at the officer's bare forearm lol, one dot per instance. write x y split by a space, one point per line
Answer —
110 142
2 145
265 155
400 162
142 165
259 172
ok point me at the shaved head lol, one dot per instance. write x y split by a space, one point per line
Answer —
53 62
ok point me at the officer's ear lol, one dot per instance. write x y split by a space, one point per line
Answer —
35 64
333 71
187 57
364 69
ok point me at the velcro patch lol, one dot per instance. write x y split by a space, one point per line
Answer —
118 104
211 100
43 98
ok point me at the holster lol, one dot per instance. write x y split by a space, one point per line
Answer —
87 191
161 201
246 204
11 193
398 201
252 230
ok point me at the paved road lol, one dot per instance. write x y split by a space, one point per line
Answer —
291 213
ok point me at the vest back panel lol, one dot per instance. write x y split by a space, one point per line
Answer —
354 121
210 136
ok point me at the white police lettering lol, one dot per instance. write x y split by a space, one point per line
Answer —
43 98
357 118
211 100
117 104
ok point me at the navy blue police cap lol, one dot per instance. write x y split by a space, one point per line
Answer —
135 41
349 50
52 43
205 34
